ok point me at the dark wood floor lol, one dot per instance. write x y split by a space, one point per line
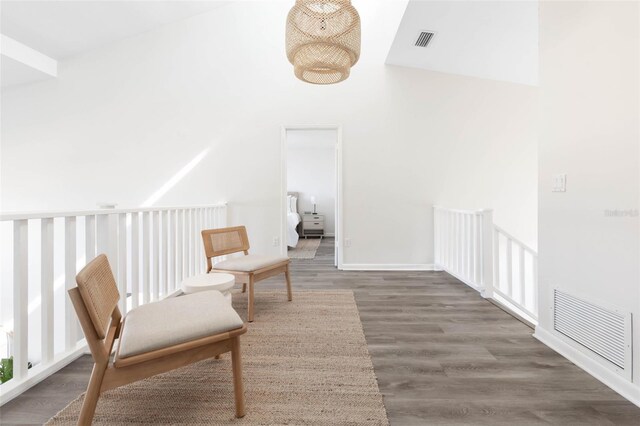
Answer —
442 355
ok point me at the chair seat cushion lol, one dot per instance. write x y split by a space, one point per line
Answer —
176 320
250 262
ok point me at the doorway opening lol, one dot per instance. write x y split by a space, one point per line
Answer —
311 194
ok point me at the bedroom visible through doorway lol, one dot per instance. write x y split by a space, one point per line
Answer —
312 196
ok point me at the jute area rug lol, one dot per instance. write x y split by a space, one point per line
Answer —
304 362
306 249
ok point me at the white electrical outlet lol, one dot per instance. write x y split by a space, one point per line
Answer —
276 241
560 183
347 242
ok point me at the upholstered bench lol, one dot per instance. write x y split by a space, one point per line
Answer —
174 321
153 338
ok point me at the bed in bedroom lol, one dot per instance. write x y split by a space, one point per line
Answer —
293 219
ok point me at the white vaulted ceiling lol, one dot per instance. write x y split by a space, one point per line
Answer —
63 29
487 39
496 40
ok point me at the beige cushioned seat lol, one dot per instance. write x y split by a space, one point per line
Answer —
250 262
176 320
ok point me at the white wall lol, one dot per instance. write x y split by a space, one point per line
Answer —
590 87
311 171
120 121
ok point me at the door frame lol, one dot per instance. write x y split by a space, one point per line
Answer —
338 255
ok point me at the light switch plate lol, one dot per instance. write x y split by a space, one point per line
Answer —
560 183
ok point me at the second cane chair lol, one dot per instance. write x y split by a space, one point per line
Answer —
248 269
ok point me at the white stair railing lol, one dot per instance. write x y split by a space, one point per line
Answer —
150 250
469 246
515 282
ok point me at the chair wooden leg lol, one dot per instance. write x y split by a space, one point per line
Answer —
91 396
288 278
244 287
250 304
236 365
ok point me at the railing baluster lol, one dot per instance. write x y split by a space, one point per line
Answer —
20 298
468 247
187 244
461 238
179 246
164 253
461 241
71 337
440 262
46 289
192 254
450 240
460 244
509 265
135 260
199 241
496 260
476 249
486 252
456 251
122 261
146 231
107 239
89 238
436 238
534 282
171 250
196 246
155 280
521 283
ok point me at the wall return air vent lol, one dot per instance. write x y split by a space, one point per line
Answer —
603 331
424 38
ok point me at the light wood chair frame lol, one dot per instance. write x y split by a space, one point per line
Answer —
106 376
249 278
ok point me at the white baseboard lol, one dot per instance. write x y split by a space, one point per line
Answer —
38 373
387 267
620 385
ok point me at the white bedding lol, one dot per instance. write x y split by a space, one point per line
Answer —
293 219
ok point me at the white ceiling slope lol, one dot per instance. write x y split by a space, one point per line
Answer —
62 29
497 40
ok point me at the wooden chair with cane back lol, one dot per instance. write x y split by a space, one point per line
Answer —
153 338
248 269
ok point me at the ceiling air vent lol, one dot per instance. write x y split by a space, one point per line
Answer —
424 38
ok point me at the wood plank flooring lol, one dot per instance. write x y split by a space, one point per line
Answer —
442 355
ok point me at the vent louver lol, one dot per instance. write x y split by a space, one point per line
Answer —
424 38
604 332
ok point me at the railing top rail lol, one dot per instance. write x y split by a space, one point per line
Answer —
512 238
54 214
476 211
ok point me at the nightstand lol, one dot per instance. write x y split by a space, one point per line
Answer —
313 225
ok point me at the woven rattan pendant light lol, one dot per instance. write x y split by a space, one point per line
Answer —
323 40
